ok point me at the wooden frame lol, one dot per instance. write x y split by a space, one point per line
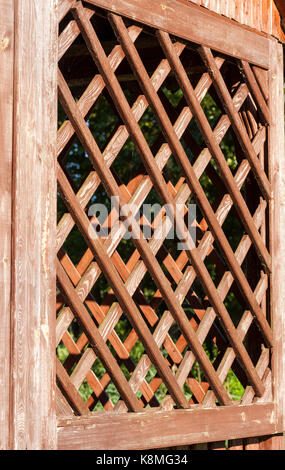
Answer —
151 430
276 161
70 431
28 136
27 252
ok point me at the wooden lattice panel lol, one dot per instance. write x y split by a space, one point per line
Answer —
142 323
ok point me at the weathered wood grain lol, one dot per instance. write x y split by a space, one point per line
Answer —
188 22
277 225
32 383
151 429
6 137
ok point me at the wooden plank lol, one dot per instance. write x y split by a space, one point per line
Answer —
152 429
277 226
188 22
33 418
6 138
262 79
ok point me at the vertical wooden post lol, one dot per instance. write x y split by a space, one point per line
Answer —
6 119
277 223
32 382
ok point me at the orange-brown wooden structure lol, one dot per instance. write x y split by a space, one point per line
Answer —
70 54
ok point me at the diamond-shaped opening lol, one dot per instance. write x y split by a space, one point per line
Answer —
235 305
85 391
228 148
75 245
75 330
76 164
78 67
150 127
123 328
65 21
233 229
62 352
233 386
211 108
102 293
103 120
231 74
127 164
254 342
172 172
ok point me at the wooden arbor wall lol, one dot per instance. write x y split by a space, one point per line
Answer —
250 101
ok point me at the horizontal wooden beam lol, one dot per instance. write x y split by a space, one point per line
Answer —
194 24
156 429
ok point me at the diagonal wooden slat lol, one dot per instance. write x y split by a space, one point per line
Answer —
69 390
256 92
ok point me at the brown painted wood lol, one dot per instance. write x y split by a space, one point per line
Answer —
188 22
32 383
177 149
112 189
256 91
151 429
6 136
137 275
277 225
174 269
119 99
